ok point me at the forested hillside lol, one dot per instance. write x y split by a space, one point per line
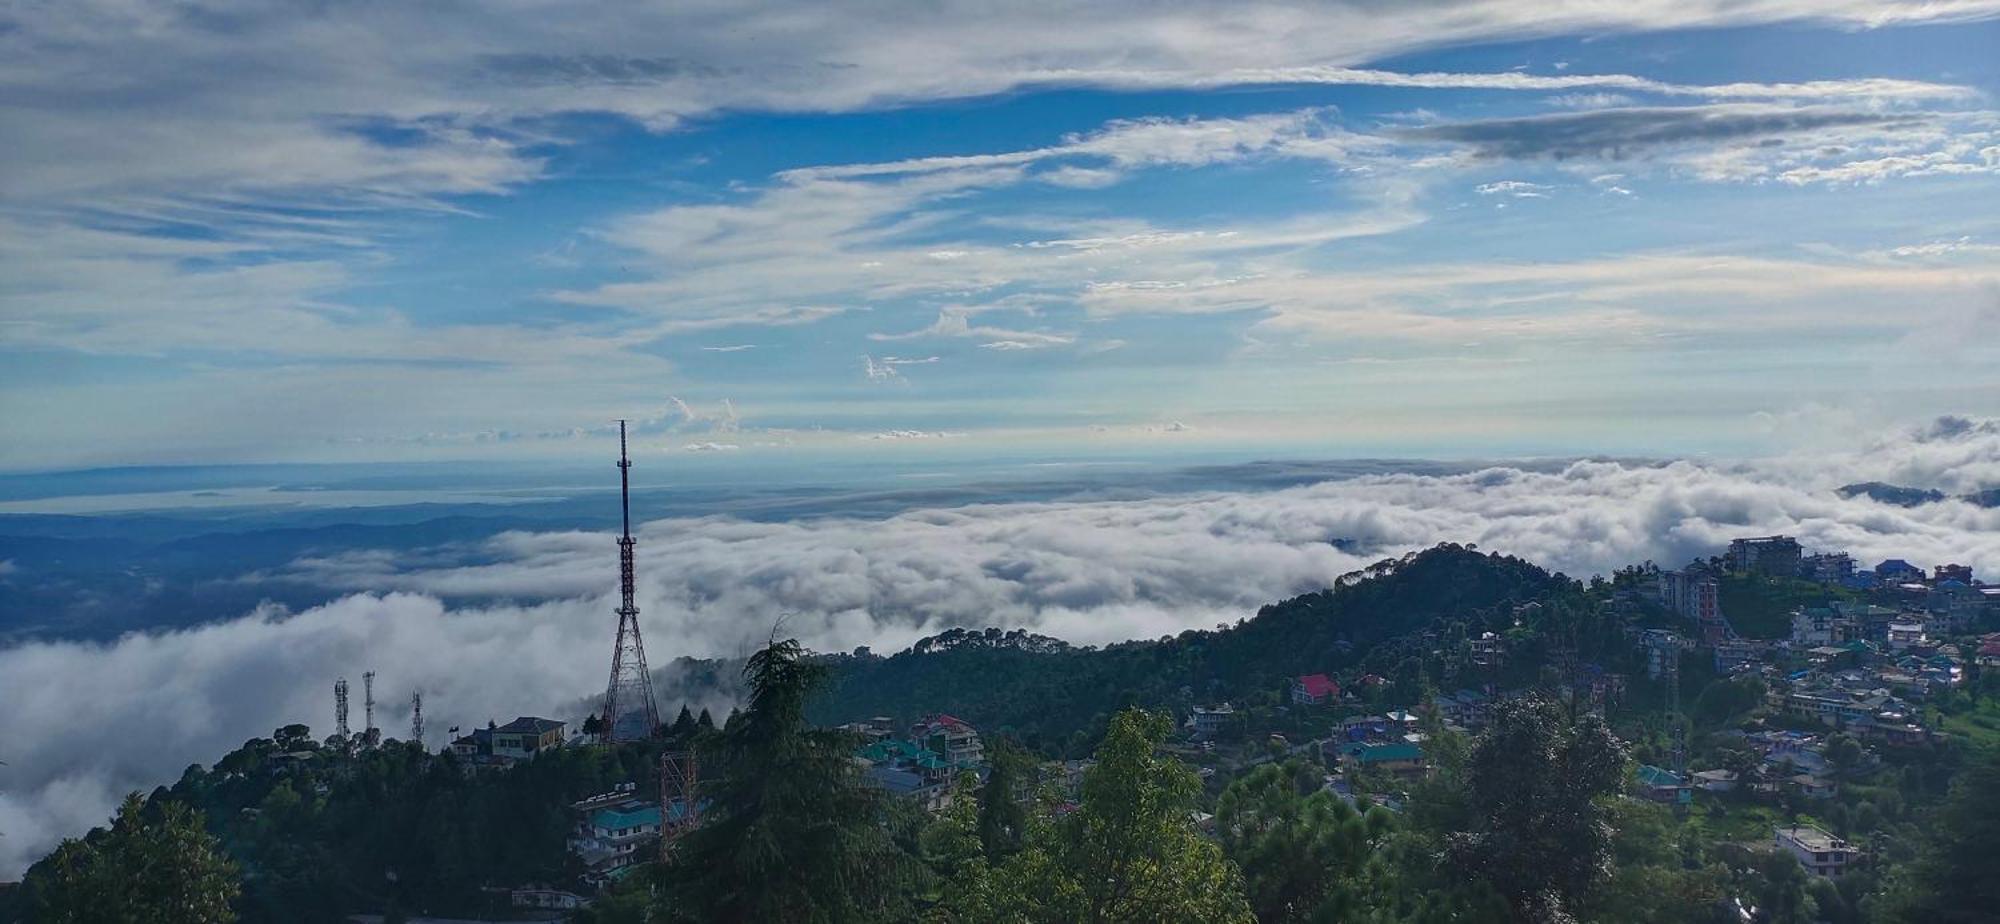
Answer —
1056 696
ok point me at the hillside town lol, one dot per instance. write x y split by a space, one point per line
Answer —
1848 680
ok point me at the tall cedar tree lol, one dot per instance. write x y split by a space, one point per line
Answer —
154 866
1303 852
792 833
1540 837
1003 819
1129 853
1953 880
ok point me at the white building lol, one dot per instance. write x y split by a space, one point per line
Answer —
1820 853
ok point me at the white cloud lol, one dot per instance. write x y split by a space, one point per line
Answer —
1519 189
529 635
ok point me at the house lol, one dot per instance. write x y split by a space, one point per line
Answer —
1209 722
1467 708
1715 780
1399 758
1820 853
1897 571
1662 785
526 736
480 742
1368 728
1952 572
1905 635
1314 690
546 899
951 737
1989 650
1813 787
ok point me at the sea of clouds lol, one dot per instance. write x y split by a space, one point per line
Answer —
520 623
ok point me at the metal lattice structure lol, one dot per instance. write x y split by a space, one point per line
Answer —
368 702
679 773
1670 674
340 708
629 711
417 717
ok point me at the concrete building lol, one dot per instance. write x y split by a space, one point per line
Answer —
1828 567
1820 853
1777 556
1488 650
952 737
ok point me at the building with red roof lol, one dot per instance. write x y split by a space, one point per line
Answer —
1314 690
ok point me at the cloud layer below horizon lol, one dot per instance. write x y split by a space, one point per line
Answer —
520 626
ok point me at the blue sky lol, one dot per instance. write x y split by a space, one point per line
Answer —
240 233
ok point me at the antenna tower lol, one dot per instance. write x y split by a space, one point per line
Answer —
629 711
679 772
1670 674
367 702
417 717
340 708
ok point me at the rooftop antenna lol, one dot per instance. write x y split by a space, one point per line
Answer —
340 708
629 711
417 717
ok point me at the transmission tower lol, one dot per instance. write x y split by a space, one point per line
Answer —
629 711
417 717
679 772
340 708
368 703
1670 673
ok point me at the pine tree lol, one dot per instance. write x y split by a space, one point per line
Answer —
791 832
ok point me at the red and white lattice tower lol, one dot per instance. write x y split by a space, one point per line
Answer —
629 711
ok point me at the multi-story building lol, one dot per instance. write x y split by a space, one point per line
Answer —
1778 556
1952 572
1488 650
1814 626
951 737
1822 854
1828 567
1211 721
615 830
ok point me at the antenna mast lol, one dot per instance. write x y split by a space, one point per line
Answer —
629 711
368 702
340 708
417 717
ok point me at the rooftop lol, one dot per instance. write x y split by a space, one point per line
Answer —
1812 838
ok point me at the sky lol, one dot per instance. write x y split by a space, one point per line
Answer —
254 232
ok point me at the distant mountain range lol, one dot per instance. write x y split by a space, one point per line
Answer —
1916 497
